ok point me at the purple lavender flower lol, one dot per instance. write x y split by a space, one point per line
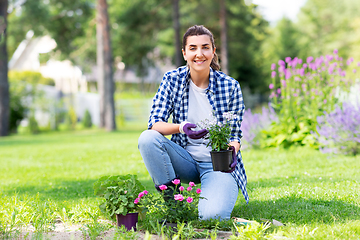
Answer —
339 130
254 123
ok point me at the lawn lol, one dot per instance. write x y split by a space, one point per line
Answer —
50 176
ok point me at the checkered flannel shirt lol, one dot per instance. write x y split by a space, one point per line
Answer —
224 95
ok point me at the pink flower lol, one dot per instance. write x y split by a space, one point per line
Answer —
198 191
278 90
189 199
176 181
145 192
354 70
304 65
325 101
192 184
163 187
283 82
189 189
302 72
287 59
125 192
181 188
309 59
271 86
273 74
273 66
358 64
141 195
179 197
281 63
335 51
299 61
136 201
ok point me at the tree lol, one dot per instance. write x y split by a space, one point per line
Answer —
223 37
176 23
4 84
104 62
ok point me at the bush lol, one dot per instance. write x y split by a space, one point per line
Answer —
30 77
87 123
339 130
71 119
33 125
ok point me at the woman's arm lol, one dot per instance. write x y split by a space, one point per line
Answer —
166 128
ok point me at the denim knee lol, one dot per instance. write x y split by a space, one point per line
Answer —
147 138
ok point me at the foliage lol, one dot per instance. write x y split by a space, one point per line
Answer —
120 194
30 77
251 231
302 91
33 125
180 207
219 132
87 123
253 125
339 131
71 118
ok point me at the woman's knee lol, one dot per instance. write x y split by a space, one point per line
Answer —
147 137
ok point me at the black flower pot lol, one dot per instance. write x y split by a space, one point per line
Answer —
221 160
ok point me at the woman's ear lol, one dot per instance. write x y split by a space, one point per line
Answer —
183 52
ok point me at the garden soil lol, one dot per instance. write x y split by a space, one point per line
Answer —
72 232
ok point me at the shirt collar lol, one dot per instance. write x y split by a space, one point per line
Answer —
185 75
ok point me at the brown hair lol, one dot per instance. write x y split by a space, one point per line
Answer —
197 30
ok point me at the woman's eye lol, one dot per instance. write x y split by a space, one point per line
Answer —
192 48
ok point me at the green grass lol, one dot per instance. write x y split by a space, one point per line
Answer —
50 176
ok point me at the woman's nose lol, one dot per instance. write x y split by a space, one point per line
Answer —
199 52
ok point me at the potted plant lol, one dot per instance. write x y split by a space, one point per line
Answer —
122 195
219 137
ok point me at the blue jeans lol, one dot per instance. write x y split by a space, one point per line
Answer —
166 160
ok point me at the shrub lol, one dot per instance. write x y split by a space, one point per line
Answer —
31 77
33 125
339 130
87 123
302 91
71 119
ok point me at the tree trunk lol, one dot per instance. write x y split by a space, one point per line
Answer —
176 23
4 84
105 72
223 38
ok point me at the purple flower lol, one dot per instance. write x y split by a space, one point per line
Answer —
300 61
281 63
358 64
287 73
335 51
283 82
273 66
354 70
278 90
287 59
273 74
271 86
309 59
302 71
305 65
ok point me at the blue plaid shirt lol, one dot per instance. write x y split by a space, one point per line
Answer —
224 95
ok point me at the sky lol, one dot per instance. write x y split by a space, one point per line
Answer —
274 10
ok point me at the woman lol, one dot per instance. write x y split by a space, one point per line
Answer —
191 94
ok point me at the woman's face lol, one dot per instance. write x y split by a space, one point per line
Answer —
198 53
